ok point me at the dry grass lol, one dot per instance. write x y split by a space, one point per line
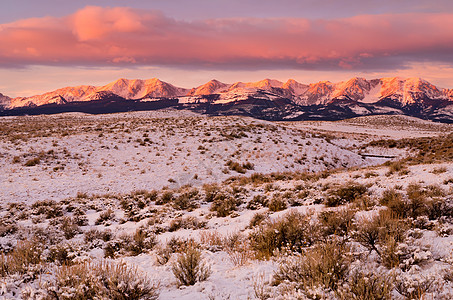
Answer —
101 280
25 257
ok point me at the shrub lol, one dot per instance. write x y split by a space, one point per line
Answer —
390 196
325 265
412 287
82 195
101 280
163 255
139 242
111 248
397 166
186 200
32 162
277 203
257 202
211 191
260 288
50 208
165 198
235 166
257 219
415 205
367 285
383 234
398 206
7 229
69 227
131 209
448 181
238 249
61 253
434 190
248 166
439 170
105 217
180 245
212 239
346 193
146 195
189 222
440 207
16 159
223 204
24 257
293 231
337 222
190 267
94 234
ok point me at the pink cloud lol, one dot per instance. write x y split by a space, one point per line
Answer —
93 22
111 36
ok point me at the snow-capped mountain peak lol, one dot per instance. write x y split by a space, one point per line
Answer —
138 89
400 91
4 101
355 88
296 88
211 87
410 90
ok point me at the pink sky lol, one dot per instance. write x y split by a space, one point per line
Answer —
96 43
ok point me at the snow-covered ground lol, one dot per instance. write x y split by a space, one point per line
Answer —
136 177
149 150
395 127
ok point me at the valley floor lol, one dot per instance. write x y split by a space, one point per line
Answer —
260 206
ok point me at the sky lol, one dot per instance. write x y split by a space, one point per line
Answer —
49 44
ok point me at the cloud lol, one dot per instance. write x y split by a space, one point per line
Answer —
96 36
94 22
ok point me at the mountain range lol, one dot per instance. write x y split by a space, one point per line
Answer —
266 99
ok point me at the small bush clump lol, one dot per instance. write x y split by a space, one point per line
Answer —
140 242
186 200
190 267
383 234
326 265
101 280
105 217
224 204
337 222
69 227
367 285
240 168
277 203
26 256
50 208
211 191
165 198
293 232
32 162
257 202
188 222
346 193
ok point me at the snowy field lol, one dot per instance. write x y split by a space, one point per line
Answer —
118 204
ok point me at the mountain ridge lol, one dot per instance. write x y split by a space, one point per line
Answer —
404 90
267 98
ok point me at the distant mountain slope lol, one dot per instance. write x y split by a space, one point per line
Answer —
5 101
124 88
268 99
